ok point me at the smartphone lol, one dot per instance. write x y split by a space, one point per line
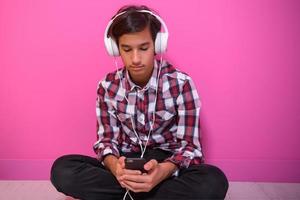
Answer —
135 164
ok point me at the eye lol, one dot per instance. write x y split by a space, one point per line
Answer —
144 48
126 49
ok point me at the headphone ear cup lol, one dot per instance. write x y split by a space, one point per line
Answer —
161 42
111 47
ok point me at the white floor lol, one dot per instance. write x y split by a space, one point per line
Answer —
41 190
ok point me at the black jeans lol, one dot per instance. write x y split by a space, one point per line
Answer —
84 177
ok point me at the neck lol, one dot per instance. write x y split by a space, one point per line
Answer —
142 83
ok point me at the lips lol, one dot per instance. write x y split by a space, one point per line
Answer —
139 67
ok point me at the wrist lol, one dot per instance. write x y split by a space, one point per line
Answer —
110 162
168 168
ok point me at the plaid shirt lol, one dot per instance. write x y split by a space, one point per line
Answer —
176 125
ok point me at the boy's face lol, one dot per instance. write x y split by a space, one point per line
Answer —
137 52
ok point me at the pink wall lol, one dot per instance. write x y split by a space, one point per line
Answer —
243 56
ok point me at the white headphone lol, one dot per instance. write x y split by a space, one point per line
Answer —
161 39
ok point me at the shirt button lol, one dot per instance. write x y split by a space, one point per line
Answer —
142 119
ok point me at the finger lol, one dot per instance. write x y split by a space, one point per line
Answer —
122 161
150 165
119 170
122 184
128 187
120 180
133 172
135 187
136 178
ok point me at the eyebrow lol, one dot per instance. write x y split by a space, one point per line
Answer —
128 46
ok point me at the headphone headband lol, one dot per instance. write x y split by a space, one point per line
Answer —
161 39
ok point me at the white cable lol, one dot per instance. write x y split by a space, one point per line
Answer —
153 114
143 149
117 68
137 136
127 192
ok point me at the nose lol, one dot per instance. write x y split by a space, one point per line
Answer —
136 57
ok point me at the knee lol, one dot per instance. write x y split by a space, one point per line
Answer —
213 183
217 182
62 175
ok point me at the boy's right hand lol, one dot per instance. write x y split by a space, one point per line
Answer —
120 171
117 168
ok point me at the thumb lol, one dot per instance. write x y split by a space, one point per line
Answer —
150 165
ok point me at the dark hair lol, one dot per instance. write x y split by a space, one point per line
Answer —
133 21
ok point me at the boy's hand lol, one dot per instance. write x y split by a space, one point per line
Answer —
157 172
116 166
120 171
